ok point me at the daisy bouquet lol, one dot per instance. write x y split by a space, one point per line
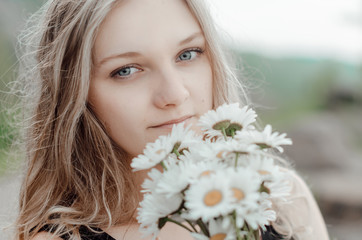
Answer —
217 185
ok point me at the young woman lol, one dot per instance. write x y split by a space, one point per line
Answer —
104 78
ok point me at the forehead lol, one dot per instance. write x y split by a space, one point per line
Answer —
135 25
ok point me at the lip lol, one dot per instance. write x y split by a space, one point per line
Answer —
169 124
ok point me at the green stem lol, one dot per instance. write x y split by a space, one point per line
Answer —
178 223
251 234
237 230
190 223
175 149
177 153
236 159
257 236
224 133
246 229
232 133
163 165
203 227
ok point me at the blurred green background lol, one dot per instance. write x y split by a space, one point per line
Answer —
316 100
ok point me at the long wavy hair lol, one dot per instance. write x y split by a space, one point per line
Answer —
75 174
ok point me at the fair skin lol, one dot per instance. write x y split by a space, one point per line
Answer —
161 72
151 69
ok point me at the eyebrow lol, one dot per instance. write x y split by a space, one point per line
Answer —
136 54
122 55
190 38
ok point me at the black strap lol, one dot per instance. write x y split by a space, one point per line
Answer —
85 233
271 234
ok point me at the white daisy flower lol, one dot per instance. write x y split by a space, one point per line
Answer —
280 186
181 137
217 231
172 182
141 162
229 117
264 166
152 229
150 184
207 150
264 139
224 151
196 171
259 216
195 153
278 189
153 154
186 172
229 149
171 161
208 198
275 181
179 176
245 186
158 150
152 208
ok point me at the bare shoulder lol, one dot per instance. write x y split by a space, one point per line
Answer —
131 232
45 236
124 232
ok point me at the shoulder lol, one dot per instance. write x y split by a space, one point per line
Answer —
298 185
131 232
303 210
45 236
301 198
300 189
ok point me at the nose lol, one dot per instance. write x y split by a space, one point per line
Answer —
171 90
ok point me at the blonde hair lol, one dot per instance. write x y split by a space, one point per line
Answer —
75 173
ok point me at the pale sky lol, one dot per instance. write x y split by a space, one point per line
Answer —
311 28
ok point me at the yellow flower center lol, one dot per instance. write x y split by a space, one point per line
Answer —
238 194
219 155
206 173
263 172
218 236
212 198
160 151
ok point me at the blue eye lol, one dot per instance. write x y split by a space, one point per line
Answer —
189 54
125 72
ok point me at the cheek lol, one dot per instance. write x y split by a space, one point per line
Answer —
121 117
205 85
127 128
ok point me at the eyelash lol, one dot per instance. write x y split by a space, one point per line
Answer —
113 74
198 51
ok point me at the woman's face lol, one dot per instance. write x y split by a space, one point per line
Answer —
151 70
